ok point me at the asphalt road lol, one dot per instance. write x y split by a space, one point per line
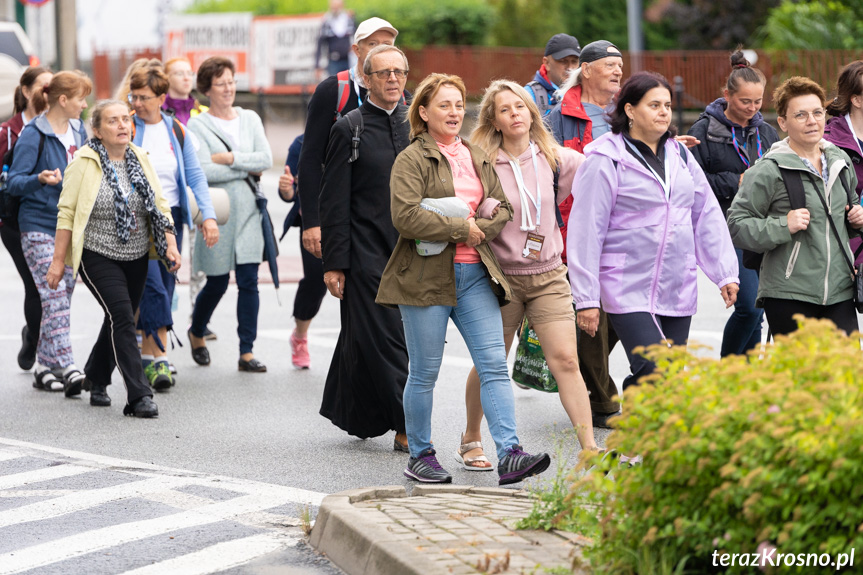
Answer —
259 430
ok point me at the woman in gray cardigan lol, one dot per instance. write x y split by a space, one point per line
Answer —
234 150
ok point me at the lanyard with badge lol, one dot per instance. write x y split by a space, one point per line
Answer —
666 186
737 146
533 244
126 198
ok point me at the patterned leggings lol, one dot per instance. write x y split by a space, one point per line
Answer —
55 347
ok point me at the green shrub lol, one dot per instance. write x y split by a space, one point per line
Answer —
737 453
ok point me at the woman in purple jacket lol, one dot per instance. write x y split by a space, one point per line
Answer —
643 218
845 128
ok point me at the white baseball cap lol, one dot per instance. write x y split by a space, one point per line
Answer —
372 25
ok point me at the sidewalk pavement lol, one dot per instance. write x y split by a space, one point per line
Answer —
438 529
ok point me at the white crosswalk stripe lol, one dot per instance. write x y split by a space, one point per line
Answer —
251 513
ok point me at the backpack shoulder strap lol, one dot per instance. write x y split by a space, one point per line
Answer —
344 92
556 202
682 149
540 96
179 132
793 181
356 125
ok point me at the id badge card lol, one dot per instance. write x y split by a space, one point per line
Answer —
533 246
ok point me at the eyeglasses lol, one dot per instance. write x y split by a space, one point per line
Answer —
817 115
385 74
183 73
136 97
223 85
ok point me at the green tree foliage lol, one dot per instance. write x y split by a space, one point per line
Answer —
527 23
716 24
589 20
818 25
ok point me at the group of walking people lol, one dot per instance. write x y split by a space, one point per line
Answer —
572 205
110 209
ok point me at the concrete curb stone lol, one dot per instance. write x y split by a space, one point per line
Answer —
438 529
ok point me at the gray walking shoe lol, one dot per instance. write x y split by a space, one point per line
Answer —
426 469
518 465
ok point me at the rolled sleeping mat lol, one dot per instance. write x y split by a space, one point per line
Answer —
221 204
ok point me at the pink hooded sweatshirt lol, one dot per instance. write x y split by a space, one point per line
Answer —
510 243
636 250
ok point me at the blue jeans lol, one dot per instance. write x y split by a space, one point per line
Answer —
248 303
743 329
477 317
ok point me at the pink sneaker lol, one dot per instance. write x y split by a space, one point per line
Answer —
300 352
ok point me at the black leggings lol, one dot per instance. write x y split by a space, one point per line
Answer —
312 289
780 314
32 303
640 328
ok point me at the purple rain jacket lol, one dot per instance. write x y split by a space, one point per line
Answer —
633 249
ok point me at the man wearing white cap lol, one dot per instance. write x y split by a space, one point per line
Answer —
333 98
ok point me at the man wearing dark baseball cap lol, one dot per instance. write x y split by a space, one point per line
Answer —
561 58
576 121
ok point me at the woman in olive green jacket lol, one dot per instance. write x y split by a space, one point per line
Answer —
806 268
464 282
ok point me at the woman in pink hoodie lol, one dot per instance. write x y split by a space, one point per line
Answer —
646 220
510 129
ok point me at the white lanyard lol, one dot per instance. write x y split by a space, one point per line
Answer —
666 187
850 127
527 224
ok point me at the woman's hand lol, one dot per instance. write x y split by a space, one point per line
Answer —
588 320
798 220
55 273
210 230
172 254
475 235
286 185
224 158
855 216
50 177
729 294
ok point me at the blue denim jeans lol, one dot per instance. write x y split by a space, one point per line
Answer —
743 329
248 304
477 317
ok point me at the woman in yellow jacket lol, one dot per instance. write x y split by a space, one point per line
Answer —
112 217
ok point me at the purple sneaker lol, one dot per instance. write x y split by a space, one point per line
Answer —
518 465
426 469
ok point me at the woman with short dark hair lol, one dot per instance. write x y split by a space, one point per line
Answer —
234 151
646 220
806 266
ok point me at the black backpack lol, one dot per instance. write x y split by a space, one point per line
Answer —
9 204
793 181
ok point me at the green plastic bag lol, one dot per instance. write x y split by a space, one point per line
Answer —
530 368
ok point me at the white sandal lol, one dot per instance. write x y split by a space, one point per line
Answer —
467 462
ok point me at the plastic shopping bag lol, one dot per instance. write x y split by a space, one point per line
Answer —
530 368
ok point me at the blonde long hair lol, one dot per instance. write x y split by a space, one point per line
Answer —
490 140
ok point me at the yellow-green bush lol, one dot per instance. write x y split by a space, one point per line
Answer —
747 451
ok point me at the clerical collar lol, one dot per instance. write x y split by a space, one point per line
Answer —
389 112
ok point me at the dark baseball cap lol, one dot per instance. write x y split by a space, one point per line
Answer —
561 46
597 51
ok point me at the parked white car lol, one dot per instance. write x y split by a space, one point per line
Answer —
16 53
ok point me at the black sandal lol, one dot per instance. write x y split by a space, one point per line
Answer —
72 382
201 355
47 381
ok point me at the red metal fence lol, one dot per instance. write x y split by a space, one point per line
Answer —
703 72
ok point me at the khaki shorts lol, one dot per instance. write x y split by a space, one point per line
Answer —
543 298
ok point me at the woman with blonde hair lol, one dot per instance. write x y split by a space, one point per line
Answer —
463 282
179 101
45 147
529 163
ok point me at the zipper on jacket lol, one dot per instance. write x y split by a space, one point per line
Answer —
792 260
658 265
827 239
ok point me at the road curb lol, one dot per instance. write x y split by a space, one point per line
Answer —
356 540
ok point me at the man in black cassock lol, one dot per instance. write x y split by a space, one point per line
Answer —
364 387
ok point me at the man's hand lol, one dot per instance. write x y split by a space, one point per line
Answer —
688 141
588 320
855 216
210 229
798 220
312 241
335 281
286 185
